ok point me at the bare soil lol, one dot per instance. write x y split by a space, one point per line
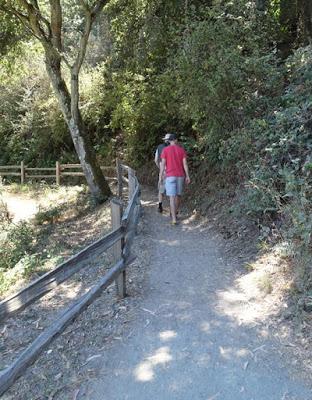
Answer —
270 280
259 299
72 357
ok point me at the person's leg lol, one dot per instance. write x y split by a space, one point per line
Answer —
171 191
160 199
177 203
180 184
161 191
173 209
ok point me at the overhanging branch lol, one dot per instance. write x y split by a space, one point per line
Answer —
90 15
98 7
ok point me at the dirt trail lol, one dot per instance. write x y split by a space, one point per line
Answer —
188 329
193 335
19 207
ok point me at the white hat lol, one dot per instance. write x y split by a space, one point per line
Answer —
166 137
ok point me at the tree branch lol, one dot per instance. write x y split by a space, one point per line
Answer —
34 17
83 43
90 15
56 23
21 16
98 7
34 3
84 5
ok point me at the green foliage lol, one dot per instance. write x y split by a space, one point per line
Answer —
29 246
200 72
275 155
206 70
31 125
49 215
16 241
11 34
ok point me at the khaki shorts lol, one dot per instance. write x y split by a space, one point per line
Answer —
174 185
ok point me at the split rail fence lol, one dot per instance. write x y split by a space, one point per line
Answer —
60 171
120 239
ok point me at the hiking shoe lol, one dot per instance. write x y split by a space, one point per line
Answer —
160 208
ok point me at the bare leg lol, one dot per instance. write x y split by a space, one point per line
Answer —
173 208
160 196
177 203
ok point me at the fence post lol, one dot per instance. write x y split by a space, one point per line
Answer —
131 178
119 178
58 173
116 212
22 172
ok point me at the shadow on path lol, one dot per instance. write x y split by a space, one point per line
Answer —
184 343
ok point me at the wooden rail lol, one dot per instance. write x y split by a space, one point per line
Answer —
56 173
38 288
120 239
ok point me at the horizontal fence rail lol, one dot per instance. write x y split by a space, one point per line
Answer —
120 239
31 353
47 282
60 170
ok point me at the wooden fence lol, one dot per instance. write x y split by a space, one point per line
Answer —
124 226
57 173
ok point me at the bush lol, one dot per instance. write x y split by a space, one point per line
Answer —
49 215
273 154
16 242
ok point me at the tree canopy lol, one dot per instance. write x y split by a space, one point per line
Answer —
231 78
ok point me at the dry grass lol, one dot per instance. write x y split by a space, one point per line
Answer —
61 220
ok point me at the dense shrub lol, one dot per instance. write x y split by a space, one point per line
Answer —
16 241
207 70
273 153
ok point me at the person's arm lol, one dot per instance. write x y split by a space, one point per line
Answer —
162 169
156 159
186 170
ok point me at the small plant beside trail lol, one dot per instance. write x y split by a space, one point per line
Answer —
4 213
16 241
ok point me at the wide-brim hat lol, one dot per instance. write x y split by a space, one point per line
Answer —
167 136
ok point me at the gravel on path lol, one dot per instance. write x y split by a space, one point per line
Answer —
190 337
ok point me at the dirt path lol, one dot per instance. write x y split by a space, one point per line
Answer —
193 335
20 208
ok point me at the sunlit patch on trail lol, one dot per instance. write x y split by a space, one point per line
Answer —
167 335
205 327
258 294
145 371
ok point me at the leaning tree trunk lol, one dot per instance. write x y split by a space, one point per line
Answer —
91 169
70 108
50 34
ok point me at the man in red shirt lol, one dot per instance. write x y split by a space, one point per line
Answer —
173 161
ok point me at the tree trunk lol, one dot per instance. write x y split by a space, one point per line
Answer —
92 171
289 19
305 9
69 106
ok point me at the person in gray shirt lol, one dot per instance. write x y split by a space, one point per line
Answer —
157 159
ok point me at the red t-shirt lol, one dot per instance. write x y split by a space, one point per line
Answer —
174 155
